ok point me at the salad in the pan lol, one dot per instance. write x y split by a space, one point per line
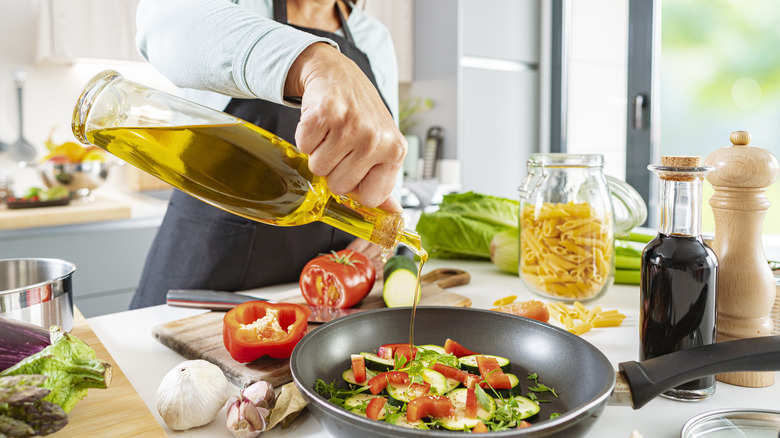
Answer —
431 387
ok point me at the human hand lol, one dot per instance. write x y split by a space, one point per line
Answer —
372 251
345 128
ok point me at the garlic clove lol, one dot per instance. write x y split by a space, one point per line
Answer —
260 393
245 420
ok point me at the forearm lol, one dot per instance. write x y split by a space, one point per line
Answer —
217 46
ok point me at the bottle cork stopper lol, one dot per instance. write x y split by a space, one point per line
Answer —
681 161
680 164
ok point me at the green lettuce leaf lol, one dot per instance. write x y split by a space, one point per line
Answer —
464 225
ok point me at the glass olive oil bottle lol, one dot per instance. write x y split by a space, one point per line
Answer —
222 160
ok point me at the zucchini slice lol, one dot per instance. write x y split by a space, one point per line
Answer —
516 389
437 348
459 421
469 363
349 377
399 393
358 403
400 275
376 363
523 407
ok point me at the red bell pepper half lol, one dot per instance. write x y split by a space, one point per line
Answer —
258 328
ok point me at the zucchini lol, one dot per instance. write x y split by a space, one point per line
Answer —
469 363
349 377
376 363
437 348
459 421
516 389
400 274
523 407
399 394
358 403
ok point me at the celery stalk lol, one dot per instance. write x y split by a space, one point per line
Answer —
627 276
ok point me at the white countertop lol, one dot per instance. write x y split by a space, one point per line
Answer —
128 338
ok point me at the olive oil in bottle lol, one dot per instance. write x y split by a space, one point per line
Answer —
222 160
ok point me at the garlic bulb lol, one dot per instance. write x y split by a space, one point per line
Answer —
191 394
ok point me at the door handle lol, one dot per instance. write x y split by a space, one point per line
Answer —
639 111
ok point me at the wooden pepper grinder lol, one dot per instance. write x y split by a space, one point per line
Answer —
746 286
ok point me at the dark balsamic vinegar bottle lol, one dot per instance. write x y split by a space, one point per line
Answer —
679 274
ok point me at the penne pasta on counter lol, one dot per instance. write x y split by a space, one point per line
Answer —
566 249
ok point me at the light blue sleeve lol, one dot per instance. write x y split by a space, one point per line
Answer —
215 45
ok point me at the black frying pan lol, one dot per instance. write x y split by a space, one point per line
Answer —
582 376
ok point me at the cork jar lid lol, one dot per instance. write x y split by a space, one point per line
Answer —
742 165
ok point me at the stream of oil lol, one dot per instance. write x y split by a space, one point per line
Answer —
412 241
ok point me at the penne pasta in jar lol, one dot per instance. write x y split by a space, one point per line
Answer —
567 225
578 264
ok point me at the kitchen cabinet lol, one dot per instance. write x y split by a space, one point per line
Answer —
398 17
109 257
498 92
70 30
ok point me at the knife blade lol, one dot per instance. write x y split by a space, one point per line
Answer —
224 301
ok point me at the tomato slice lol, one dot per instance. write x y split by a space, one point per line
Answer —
479 428
418 390
407 351
380 381
456 349
433 406
358 367
492 373
388 351
375 407
487 364
497 380
471 403
467 379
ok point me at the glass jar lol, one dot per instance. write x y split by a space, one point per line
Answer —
568 224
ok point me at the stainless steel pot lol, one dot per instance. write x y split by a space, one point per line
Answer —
38 291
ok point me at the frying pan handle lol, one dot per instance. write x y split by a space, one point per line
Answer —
649 378
446 277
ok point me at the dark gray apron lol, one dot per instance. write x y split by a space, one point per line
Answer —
200 246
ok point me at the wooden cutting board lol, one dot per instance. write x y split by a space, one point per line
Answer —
112 412
200 336
101 209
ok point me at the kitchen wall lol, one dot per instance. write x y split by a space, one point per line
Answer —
50 90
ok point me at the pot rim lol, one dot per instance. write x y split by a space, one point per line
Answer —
69 266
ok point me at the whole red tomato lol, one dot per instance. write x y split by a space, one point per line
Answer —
339 279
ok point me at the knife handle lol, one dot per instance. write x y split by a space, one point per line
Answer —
207 299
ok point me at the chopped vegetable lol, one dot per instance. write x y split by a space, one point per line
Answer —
504 251
431 391
400 284
71 368
464 225
456 349
19 340
255 329
340 279
530 309
23 412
